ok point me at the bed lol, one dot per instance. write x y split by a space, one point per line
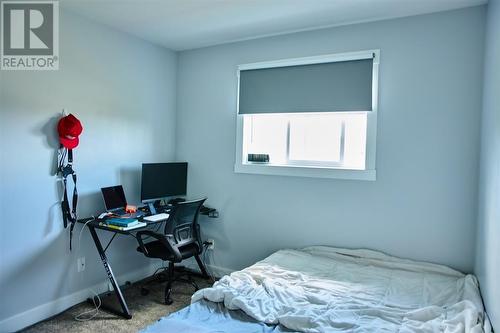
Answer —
325 289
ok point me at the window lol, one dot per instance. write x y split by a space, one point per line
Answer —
336 139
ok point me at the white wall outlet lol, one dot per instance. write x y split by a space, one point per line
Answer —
81 264
211 246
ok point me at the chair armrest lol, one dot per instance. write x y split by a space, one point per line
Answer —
160 237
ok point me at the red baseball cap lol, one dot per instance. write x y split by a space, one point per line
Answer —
69 129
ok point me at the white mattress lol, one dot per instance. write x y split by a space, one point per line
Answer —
325 289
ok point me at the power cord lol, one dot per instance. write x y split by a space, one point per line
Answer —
82 317
98 304
205 261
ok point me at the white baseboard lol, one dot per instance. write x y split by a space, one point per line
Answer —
47 310
216 271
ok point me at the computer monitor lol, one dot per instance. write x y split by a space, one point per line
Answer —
162 180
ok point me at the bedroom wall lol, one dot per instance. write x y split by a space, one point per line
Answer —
123 90
488 236
423 203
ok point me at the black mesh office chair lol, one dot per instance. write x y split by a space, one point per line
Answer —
180 240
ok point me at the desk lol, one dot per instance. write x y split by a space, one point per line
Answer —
93 224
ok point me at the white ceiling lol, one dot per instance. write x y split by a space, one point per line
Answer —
188 24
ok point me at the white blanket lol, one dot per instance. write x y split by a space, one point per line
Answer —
325 289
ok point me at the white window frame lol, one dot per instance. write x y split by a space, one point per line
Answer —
319 171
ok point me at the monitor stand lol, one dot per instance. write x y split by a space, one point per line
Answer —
152 208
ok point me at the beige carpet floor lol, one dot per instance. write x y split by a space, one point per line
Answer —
145 311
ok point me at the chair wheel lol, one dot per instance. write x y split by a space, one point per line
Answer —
168 301
144 291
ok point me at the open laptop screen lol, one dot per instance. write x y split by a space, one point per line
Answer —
114 197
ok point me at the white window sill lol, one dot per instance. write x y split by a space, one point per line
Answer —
300 171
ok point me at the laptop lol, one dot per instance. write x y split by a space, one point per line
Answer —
115 201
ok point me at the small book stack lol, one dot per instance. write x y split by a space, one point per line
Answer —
123 224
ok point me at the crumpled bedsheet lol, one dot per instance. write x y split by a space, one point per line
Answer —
326 289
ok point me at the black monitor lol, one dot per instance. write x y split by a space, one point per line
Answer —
162 180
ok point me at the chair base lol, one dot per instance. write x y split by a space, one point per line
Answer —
170 277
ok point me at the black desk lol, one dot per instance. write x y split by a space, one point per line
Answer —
93 224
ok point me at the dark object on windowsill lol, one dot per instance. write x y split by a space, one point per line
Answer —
258 158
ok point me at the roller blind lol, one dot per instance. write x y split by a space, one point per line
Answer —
323 87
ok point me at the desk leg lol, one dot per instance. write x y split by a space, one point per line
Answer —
125 313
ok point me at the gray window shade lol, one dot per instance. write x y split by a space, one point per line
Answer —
324 87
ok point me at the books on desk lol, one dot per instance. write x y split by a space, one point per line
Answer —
123 224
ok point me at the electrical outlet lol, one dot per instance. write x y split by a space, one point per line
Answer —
81 264
211 245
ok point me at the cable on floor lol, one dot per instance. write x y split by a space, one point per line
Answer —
205 262
83 316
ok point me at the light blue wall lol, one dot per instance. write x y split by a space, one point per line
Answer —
488 235
123 90
423 204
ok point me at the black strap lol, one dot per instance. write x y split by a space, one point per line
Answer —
65 206
73 210
69 216
75 196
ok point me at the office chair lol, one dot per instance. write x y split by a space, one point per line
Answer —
180 240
